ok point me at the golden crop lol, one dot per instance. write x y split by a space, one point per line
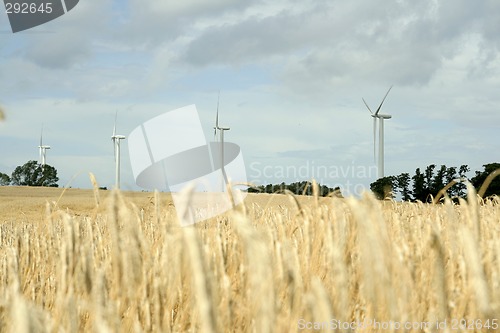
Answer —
121 263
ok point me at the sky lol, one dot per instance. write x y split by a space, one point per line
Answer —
291 76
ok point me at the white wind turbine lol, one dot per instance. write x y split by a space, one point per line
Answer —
221 133
43 150
116 138
381 118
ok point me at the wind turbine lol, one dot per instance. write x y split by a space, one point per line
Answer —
43 150
381 118
116 143
221 133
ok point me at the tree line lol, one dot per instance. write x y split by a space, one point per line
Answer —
298 188
31 174
422 186
426 183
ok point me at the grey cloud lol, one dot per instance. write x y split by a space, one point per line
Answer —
399 42
258 38
150 24
71 39
58 50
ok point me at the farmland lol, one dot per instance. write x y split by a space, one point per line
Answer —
78 261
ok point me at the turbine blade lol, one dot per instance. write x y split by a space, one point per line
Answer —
217 115
367 106
374 139
114 126
41 137
113 137
387 93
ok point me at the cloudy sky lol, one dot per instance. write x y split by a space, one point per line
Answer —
291 75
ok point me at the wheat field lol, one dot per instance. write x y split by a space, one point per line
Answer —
108 261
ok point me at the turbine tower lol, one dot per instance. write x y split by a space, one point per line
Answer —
381 118
43 150
116 138
221 133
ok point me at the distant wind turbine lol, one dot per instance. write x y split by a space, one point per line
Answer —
381 118
116 143
43 150
221 133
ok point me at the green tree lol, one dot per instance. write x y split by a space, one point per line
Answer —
297 188
438 182
305 188
403 185
293 188
428 176
383 187
419 190
33 174
4 179
257 189
324 190
480 177
450 175
462 173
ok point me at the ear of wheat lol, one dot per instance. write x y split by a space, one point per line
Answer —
281 262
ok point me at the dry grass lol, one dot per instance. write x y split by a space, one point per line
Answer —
121 263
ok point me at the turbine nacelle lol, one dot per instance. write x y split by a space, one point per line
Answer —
116 143
382 116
